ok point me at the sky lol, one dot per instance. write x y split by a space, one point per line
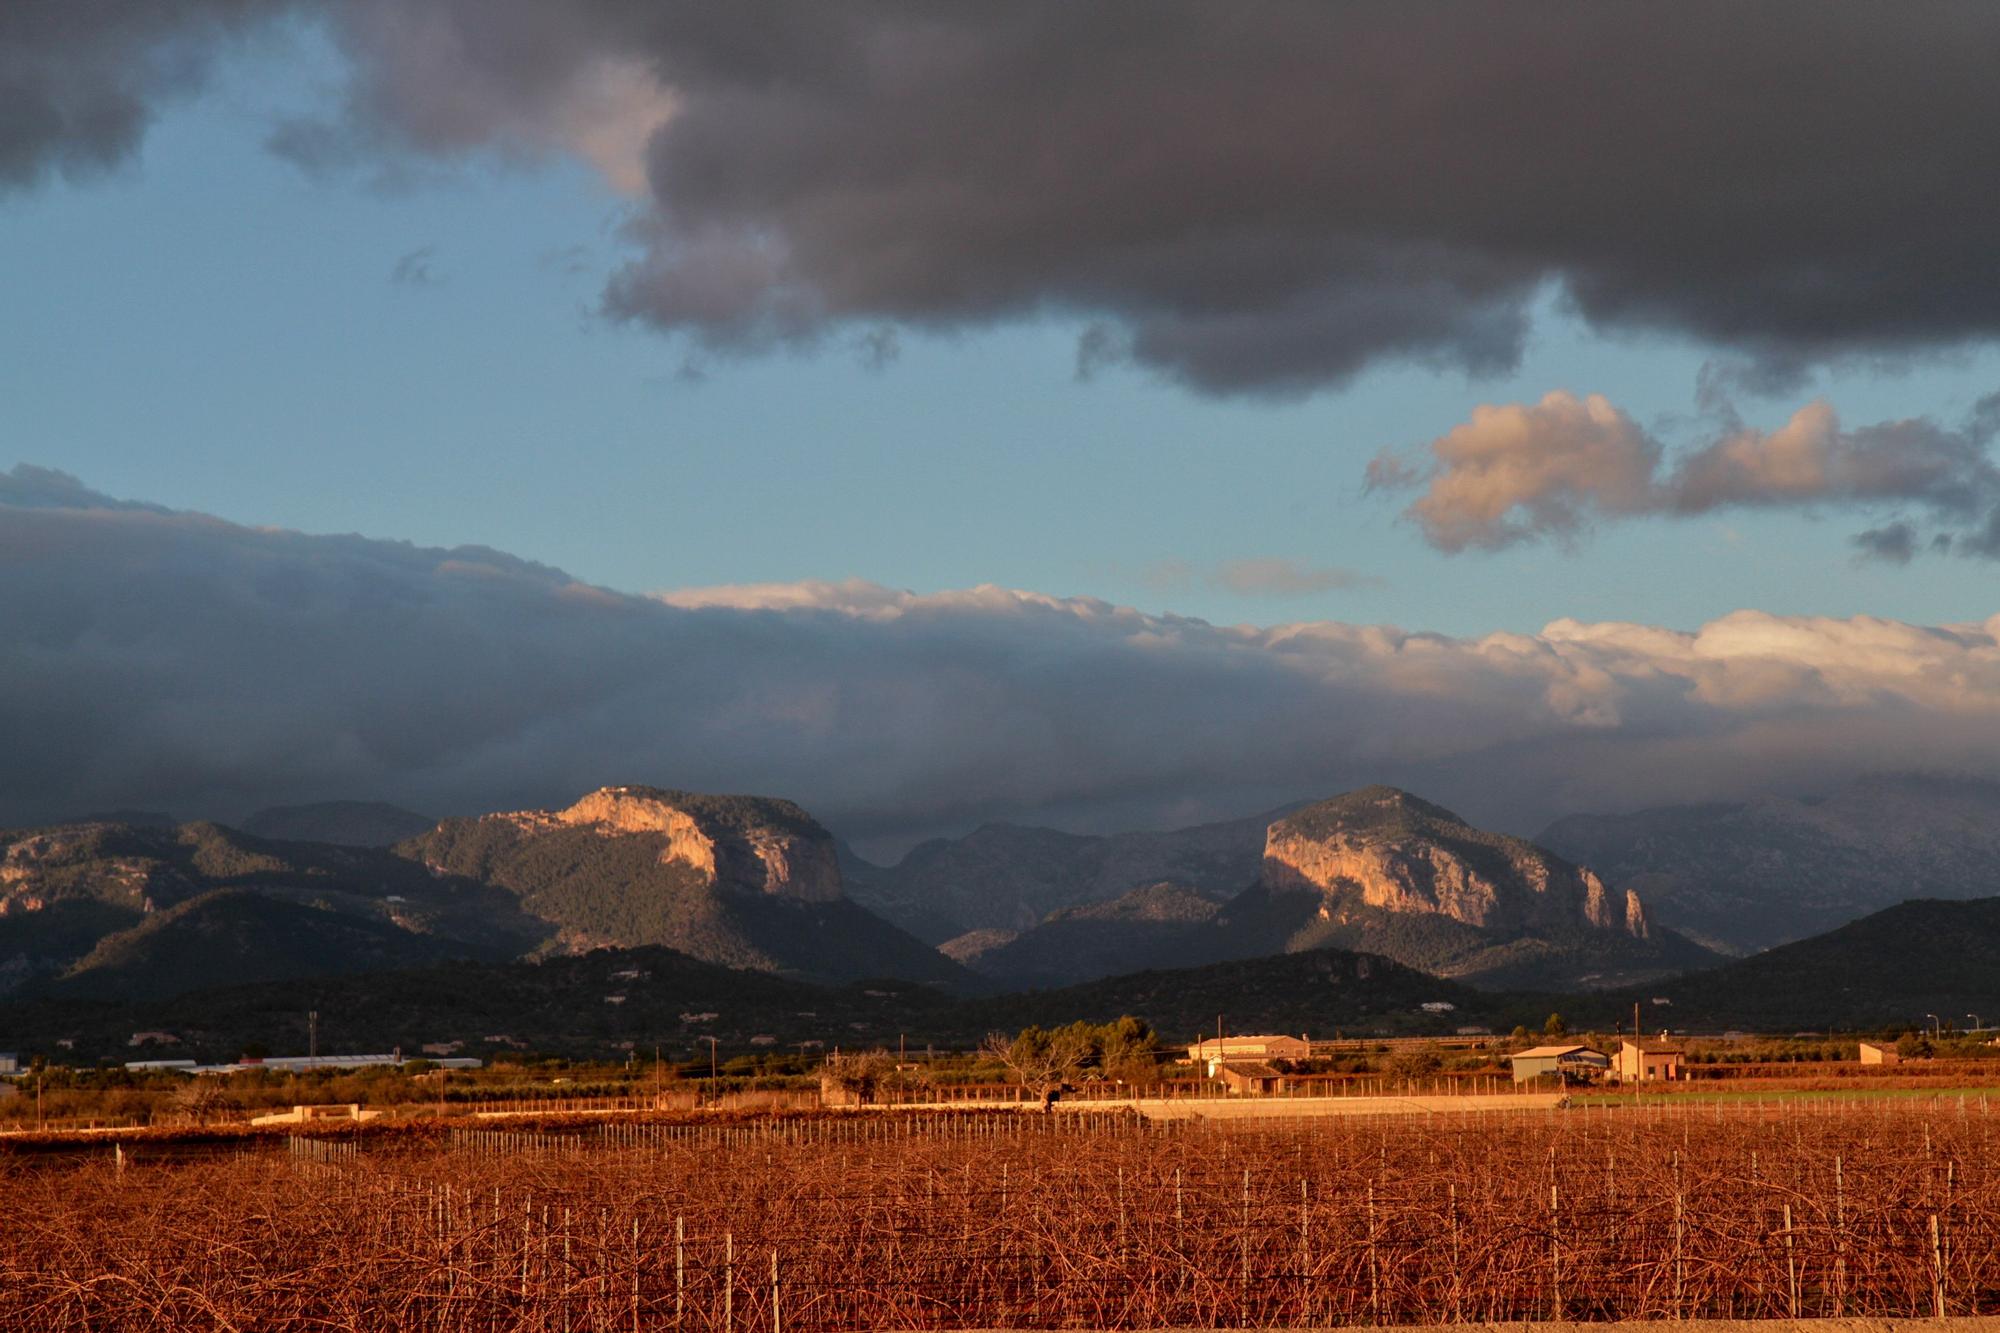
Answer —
1226 331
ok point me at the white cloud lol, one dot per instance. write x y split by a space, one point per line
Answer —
174 660
1521 472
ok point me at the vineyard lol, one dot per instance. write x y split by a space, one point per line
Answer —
1013 1220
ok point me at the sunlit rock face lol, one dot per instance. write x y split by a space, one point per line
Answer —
753 844
1396 852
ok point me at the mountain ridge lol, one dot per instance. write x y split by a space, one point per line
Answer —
343 823
1746 875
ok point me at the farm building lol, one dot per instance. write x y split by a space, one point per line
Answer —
1214 1052
1872 1054
1571 1063
301 1115
1250 1078
10 1063
1647 1061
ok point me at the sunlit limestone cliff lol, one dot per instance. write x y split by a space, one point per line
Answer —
747 881
736 842
1383 871
1384 848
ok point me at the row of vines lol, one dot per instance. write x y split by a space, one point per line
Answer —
1024 1220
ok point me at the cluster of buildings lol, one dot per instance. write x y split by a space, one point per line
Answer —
1638 1060
1243 1064
1256 1066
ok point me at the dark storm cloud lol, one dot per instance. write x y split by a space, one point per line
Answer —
173 660
1263 197
1248 198
1894 543
80 80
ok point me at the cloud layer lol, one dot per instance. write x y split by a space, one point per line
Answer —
1259 198
80 80
1527 471
173 660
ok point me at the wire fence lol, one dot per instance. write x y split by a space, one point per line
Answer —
963 1220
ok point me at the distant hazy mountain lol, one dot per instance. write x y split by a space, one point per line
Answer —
1153 926
1010 876
1748 875
743 881
348 823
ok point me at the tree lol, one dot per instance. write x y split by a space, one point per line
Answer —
1555 1027
200 1100
1128 1050
1040 1060
1420 1062
850 1077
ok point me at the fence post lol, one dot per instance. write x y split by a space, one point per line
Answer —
1457 1272
1791 1264
1244 1270
1937 1268
1839 1237
1305 1253
776 1325
1680 1227
1555 1255
1374 1267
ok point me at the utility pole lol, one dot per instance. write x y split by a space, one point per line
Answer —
312 1032
711 1062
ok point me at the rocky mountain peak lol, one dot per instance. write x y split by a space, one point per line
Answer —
1394 851
753 844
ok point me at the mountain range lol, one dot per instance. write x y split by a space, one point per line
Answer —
1747 875
1377 871
107 910
1008 877
141 909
